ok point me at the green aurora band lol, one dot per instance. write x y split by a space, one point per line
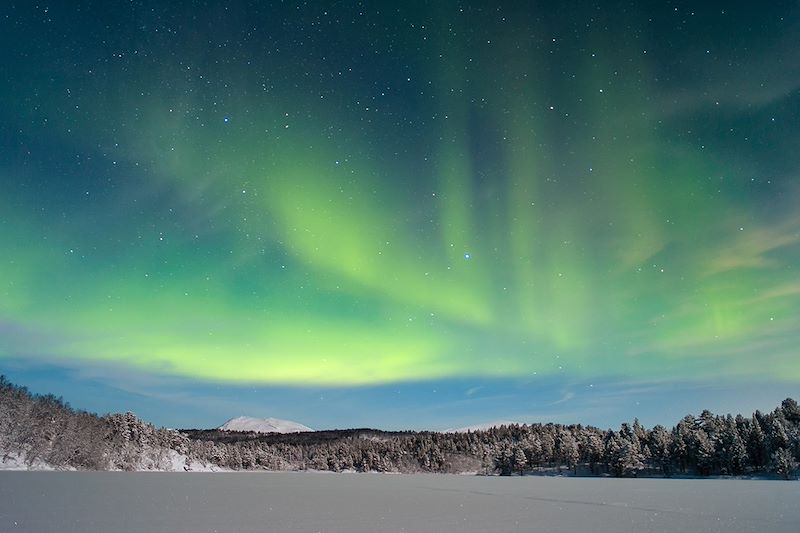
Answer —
496 206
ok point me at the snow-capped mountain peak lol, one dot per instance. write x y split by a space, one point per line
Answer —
263 425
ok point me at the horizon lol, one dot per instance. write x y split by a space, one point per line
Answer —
648 422
416 216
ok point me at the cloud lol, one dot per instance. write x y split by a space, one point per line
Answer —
753 247
566 396
18 339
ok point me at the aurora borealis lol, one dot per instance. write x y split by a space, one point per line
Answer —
350 195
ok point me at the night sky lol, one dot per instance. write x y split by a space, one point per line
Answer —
401 215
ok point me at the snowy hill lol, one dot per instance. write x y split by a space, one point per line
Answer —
263 425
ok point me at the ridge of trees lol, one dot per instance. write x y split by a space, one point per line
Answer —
45 428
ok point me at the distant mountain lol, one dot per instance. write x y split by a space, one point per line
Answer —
263 425
482 427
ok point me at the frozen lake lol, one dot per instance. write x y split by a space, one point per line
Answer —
95 502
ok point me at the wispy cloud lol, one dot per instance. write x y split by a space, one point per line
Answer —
752 247
566 395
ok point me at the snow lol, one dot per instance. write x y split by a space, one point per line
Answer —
178 462
12 461
263 425
254 502
16 461
196 466
175 462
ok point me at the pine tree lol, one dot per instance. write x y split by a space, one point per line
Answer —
757 445
783 463
568 450
593 450
705 453
520 461
548 447
790 411
533 449
778 438
735 456
681 451
660 443
626 458
504 460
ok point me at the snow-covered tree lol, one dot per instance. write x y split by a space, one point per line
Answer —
520 462
783 463
660 443
568 453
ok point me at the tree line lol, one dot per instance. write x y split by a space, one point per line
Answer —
46 429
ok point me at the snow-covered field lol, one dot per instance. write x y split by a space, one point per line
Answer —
94 502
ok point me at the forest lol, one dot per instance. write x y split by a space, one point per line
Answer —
45 430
